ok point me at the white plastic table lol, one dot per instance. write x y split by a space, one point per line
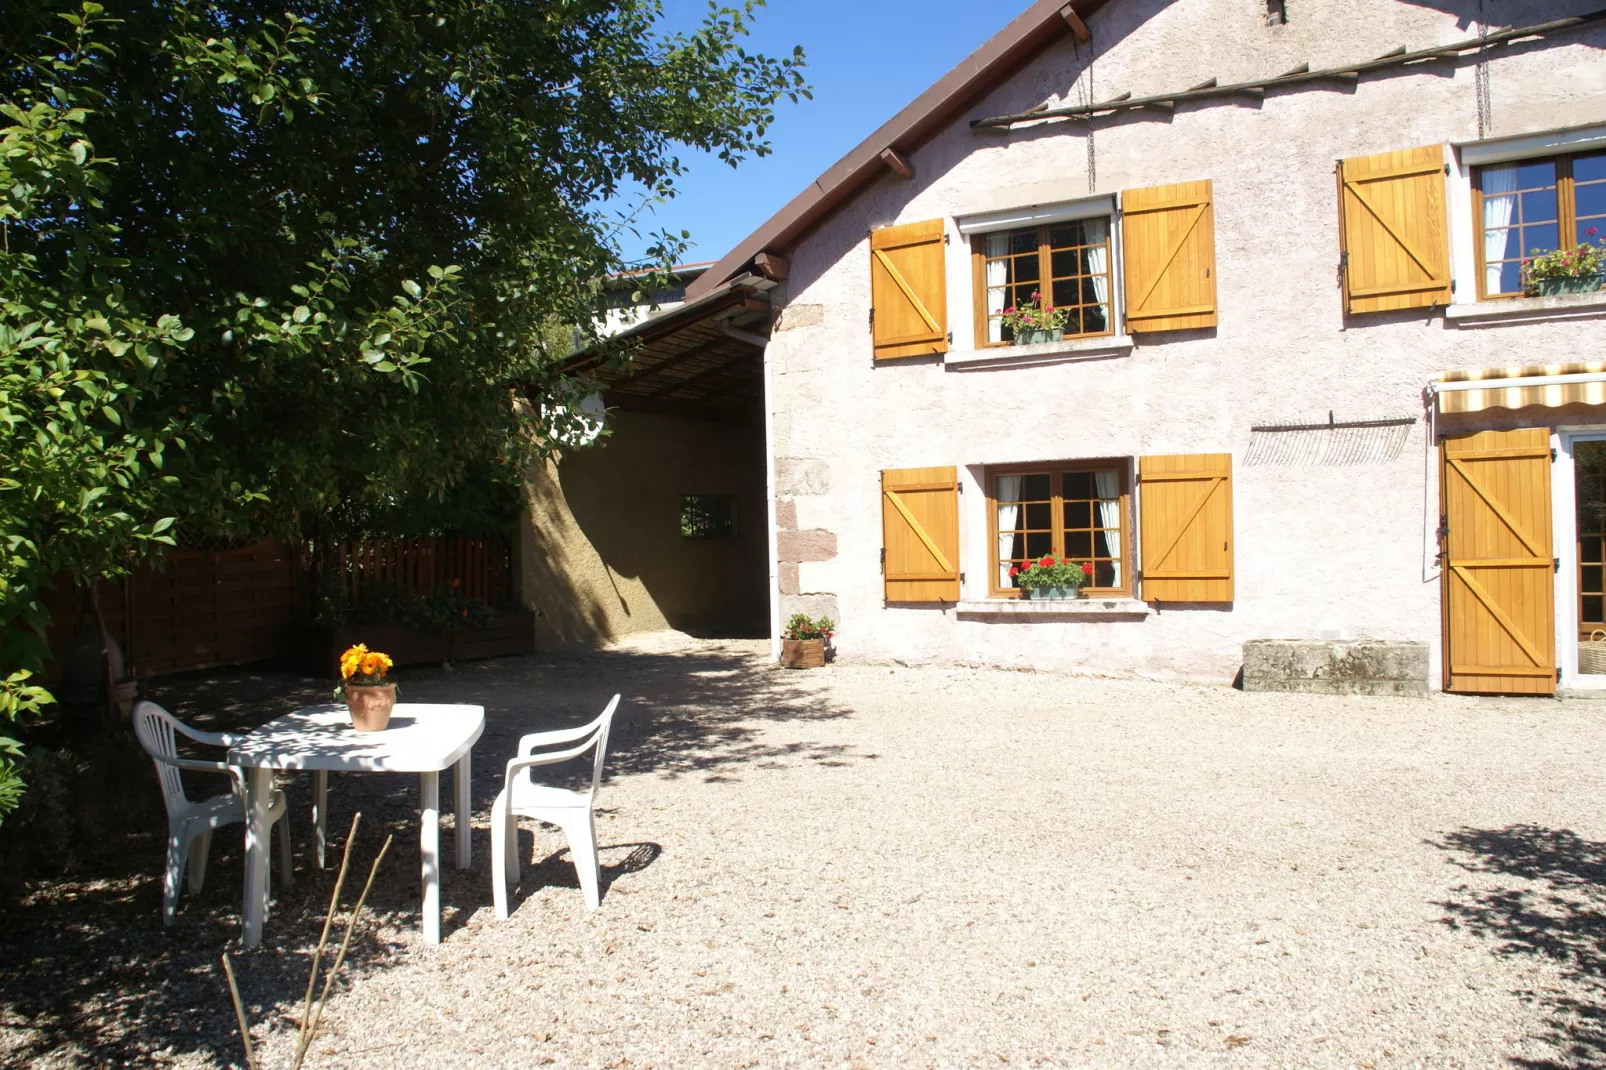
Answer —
422 738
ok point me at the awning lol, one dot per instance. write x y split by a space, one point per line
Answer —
1550 385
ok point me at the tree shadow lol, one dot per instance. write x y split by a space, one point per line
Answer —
90 976
1559 916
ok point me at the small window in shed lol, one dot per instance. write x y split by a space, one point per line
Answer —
1276 12
708 516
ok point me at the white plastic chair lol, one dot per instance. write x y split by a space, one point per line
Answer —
190 824
569 810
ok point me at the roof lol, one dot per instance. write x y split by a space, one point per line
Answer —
1039 26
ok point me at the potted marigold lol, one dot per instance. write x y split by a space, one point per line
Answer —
1032 322
362 683
1049 578
803 645
1567 271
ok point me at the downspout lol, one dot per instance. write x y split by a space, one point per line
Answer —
773 535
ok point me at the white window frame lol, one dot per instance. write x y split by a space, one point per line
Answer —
1564 523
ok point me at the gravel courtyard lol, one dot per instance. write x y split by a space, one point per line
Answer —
890 866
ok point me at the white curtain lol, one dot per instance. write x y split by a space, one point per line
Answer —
1499 204
1008 512
1108 487
996 246
1098 265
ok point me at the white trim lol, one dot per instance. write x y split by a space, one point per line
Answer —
1526 309
1565 525
1504 149
1104 345
1035 215
1526 380
1092 606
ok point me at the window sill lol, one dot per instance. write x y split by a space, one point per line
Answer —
1107 345
1070 607
1527 310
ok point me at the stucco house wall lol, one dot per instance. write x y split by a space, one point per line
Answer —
1343 551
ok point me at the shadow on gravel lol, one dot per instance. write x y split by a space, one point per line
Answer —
89 976
1559 915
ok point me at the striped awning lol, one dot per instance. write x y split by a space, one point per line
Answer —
1550 385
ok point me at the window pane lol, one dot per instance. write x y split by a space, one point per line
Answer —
1078 515
1589 168
1510 277
1025 268
1589 549
1539 207
1542 238
1023 241
1035 488
1106 573
1095 319
1589 580
1064 262
1593 606
1038 543
1039 516
1066 293
1536 175
1063 234
1501 244
1079 545
1076 484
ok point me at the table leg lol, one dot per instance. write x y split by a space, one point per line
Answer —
429 845
258 793
465 838
320 811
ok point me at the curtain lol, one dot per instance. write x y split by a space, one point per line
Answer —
1098 265
1499 203
996 246
1008 491
1108 487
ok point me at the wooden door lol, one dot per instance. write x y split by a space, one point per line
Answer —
1498 567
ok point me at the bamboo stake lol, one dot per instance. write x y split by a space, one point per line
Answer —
328 921
239 1014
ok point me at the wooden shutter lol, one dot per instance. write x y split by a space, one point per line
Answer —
920 534
1168 247
1392 225
1185 521
908 290
1499 575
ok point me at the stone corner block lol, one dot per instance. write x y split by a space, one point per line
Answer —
1337 666
801 475
815 544
810 605
794 316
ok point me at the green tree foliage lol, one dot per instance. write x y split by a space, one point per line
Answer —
263 262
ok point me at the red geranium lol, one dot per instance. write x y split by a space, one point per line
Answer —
1046 562
1014 570
1087 567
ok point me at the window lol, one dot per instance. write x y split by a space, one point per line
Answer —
1276 13
1077 510
1545 204
708 516
1067 263
1589 467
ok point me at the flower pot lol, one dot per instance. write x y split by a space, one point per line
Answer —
370 705
1032 336
802 653
1569 284
1052 594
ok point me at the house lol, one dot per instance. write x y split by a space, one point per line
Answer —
1302 393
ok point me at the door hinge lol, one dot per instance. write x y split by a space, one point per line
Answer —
1446 168
1343 262
1552 453
883 560
1452 286
1444 526
950 337
961 577
946 238
1556 561
959 488
872 317
1558 674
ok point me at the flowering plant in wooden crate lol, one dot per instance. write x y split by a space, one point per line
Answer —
1049 572
1034 316
801 627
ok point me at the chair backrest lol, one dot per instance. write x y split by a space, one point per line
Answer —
603 723
154 728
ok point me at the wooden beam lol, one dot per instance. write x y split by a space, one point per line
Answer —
772 266
1074 21
645 374
896 162
703 376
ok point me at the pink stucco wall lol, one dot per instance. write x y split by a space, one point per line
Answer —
1320 549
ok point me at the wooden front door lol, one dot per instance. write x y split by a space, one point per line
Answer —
1498 569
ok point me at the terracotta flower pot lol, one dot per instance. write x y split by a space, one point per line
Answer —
370 705
802 653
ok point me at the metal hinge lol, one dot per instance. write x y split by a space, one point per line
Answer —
1552 453
872 317
1558 674
1556 561
946 237
1343 262
883 560
1452 286
961 577
1446 168
950 337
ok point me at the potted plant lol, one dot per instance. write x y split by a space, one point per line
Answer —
1048 578
1567 271
803 645
362 683
1033 323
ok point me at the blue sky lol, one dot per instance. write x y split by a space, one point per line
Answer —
866 60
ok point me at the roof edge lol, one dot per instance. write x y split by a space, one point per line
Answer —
1027 35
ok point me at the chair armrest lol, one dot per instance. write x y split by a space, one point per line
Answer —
514 765
212 739
529 742
195 765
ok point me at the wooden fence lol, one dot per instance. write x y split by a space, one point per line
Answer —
476 567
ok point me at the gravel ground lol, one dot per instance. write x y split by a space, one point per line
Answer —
892 866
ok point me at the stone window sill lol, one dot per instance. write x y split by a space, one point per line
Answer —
1526 310
1018 609
1117 345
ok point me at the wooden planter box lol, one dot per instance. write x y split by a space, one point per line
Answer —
802 653
511 632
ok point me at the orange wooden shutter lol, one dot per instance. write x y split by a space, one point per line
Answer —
1168 247
1185 523
920 534
1392 227
908 290
1499 575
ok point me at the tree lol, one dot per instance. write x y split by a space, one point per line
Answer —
260 260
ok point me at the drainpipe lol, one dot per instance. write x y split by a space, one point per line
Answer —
769 507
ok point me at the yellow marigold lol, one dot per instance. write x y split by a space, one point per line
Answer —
351 660
376 664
